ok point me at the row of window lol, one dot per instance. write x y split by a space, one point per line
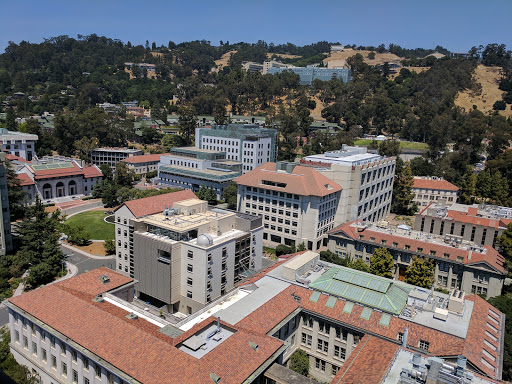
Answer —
375 174
273 193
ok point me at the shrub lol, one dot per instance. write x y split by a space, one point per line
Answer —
299 362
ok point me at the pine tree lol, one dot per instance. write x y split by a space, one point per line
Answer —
468 186
381 263
499 187
10 120
420 272
402 191
17 196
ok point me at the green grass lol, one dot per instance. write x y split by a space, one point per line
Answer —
403 144
93 223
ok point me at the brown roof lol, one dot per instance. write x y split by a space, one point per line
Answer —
93 171
10 157
303 181
103 329
24 179
155 204
491 256
72 170
144 158
442 185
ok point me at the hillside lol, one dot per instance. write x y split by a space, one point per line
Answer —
223 61
488 78
380 58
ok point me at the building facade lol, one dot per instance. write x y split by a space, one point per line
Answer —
192 168
481 224
297 204
18 144
366 180
458 265
309 74
432 189
248 144
112 156
144 163
5 223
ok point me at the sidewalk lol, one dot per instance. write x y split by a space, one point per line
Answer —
74 249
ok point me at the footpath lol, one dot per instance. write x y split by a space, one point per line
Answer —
90 255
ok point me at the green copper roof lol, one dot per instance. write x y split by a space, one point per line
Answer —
366 313
331 302
314 296
363 288
42 167
348 307
385 319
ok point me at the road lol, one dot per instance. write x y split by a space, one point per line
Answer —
83 263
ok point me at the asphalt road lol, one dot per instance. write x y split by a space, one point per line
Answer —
83 263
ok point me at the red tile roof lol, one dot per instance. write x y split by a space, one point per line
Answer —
72 170
93 171
10 157
144 158
24 179
303 181
370 352
442 185
464 217
155 204
103 329
490 257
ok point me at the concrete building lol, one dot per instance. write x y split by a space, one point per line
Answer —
144 163
5 223
273 64
112 156
481 224
57 176
18 144
190 254
191 168
251 66
366 180
354 327
297 204
309 74
248 144
134 209
428 189
458 264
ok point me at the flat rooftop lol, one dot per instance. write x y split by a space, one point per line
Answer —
355 159
206 340
182 223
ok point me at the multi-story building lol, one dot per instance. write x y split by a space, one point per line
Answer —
309 74
18 144
192 168
247 143
5 223
297 204
273 64
134 209
428 189
144 163
112 156
459 264
366 180
481 224
57 176
251 66
188 255
354 327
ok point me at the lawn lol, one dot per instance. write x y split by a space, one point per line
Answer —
93 223
403 144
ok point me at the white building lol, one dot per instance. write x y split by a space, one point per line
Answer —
134 209
297 204
18 144
366 180
246 143
112 155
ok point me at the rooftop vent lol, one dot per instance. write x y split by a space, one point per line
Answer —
254 346
215 378
132 316
98 299
105 279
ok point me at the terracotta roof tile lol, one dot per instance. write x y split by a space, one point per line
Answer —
57 172
144 158
303 181
24 179
10 157
155 204
441 185
93 171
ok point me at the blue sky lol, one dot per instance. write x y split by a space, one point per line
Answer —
454 24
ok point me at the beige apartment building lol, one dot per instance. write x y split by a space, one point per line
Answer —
428 189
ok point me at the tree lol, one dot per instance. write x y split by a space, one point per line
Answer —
150 135
504 243
230 195
77 235
301 247
282 249
499 105
468 186
170 141
10 120
17 372
402 191
359 264
299 362
123 176
17 196
420 272
84 146
389 148
110 246
371 55
106 171
381 263
187 121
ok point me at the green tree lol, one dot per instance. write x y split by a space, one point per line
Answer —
504 244
371 55
402 191
299 362
282 249
389 148
84 146
359 264
110 246
106 171
17 196
468 186
17 372
381 263
420 272
301 247
187 121
230 195
123 176
170 141
150 135
77 235
10 120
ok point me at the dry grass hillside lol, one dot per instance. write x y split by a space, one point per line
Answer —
380 58
283 56
488 78
223 61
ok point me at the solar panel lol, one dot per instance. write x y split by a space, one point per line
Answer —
331 302
348 307
366 313
385 319
314 296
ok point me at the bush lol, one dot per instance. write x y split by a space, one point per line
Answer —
500 105
299 362
282 249
77 235
151 174
110 246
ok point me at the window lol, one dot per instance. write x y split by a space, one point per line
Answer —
190 268
25 342
424 345
43 354
323 345
64 369
75 376
335 370
34 348
319 364
85 362
190 255
189 281
400 337
17 336
86 380
209 257
33 329
339 352
189 294
54 362
110 378
209 285
97 370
